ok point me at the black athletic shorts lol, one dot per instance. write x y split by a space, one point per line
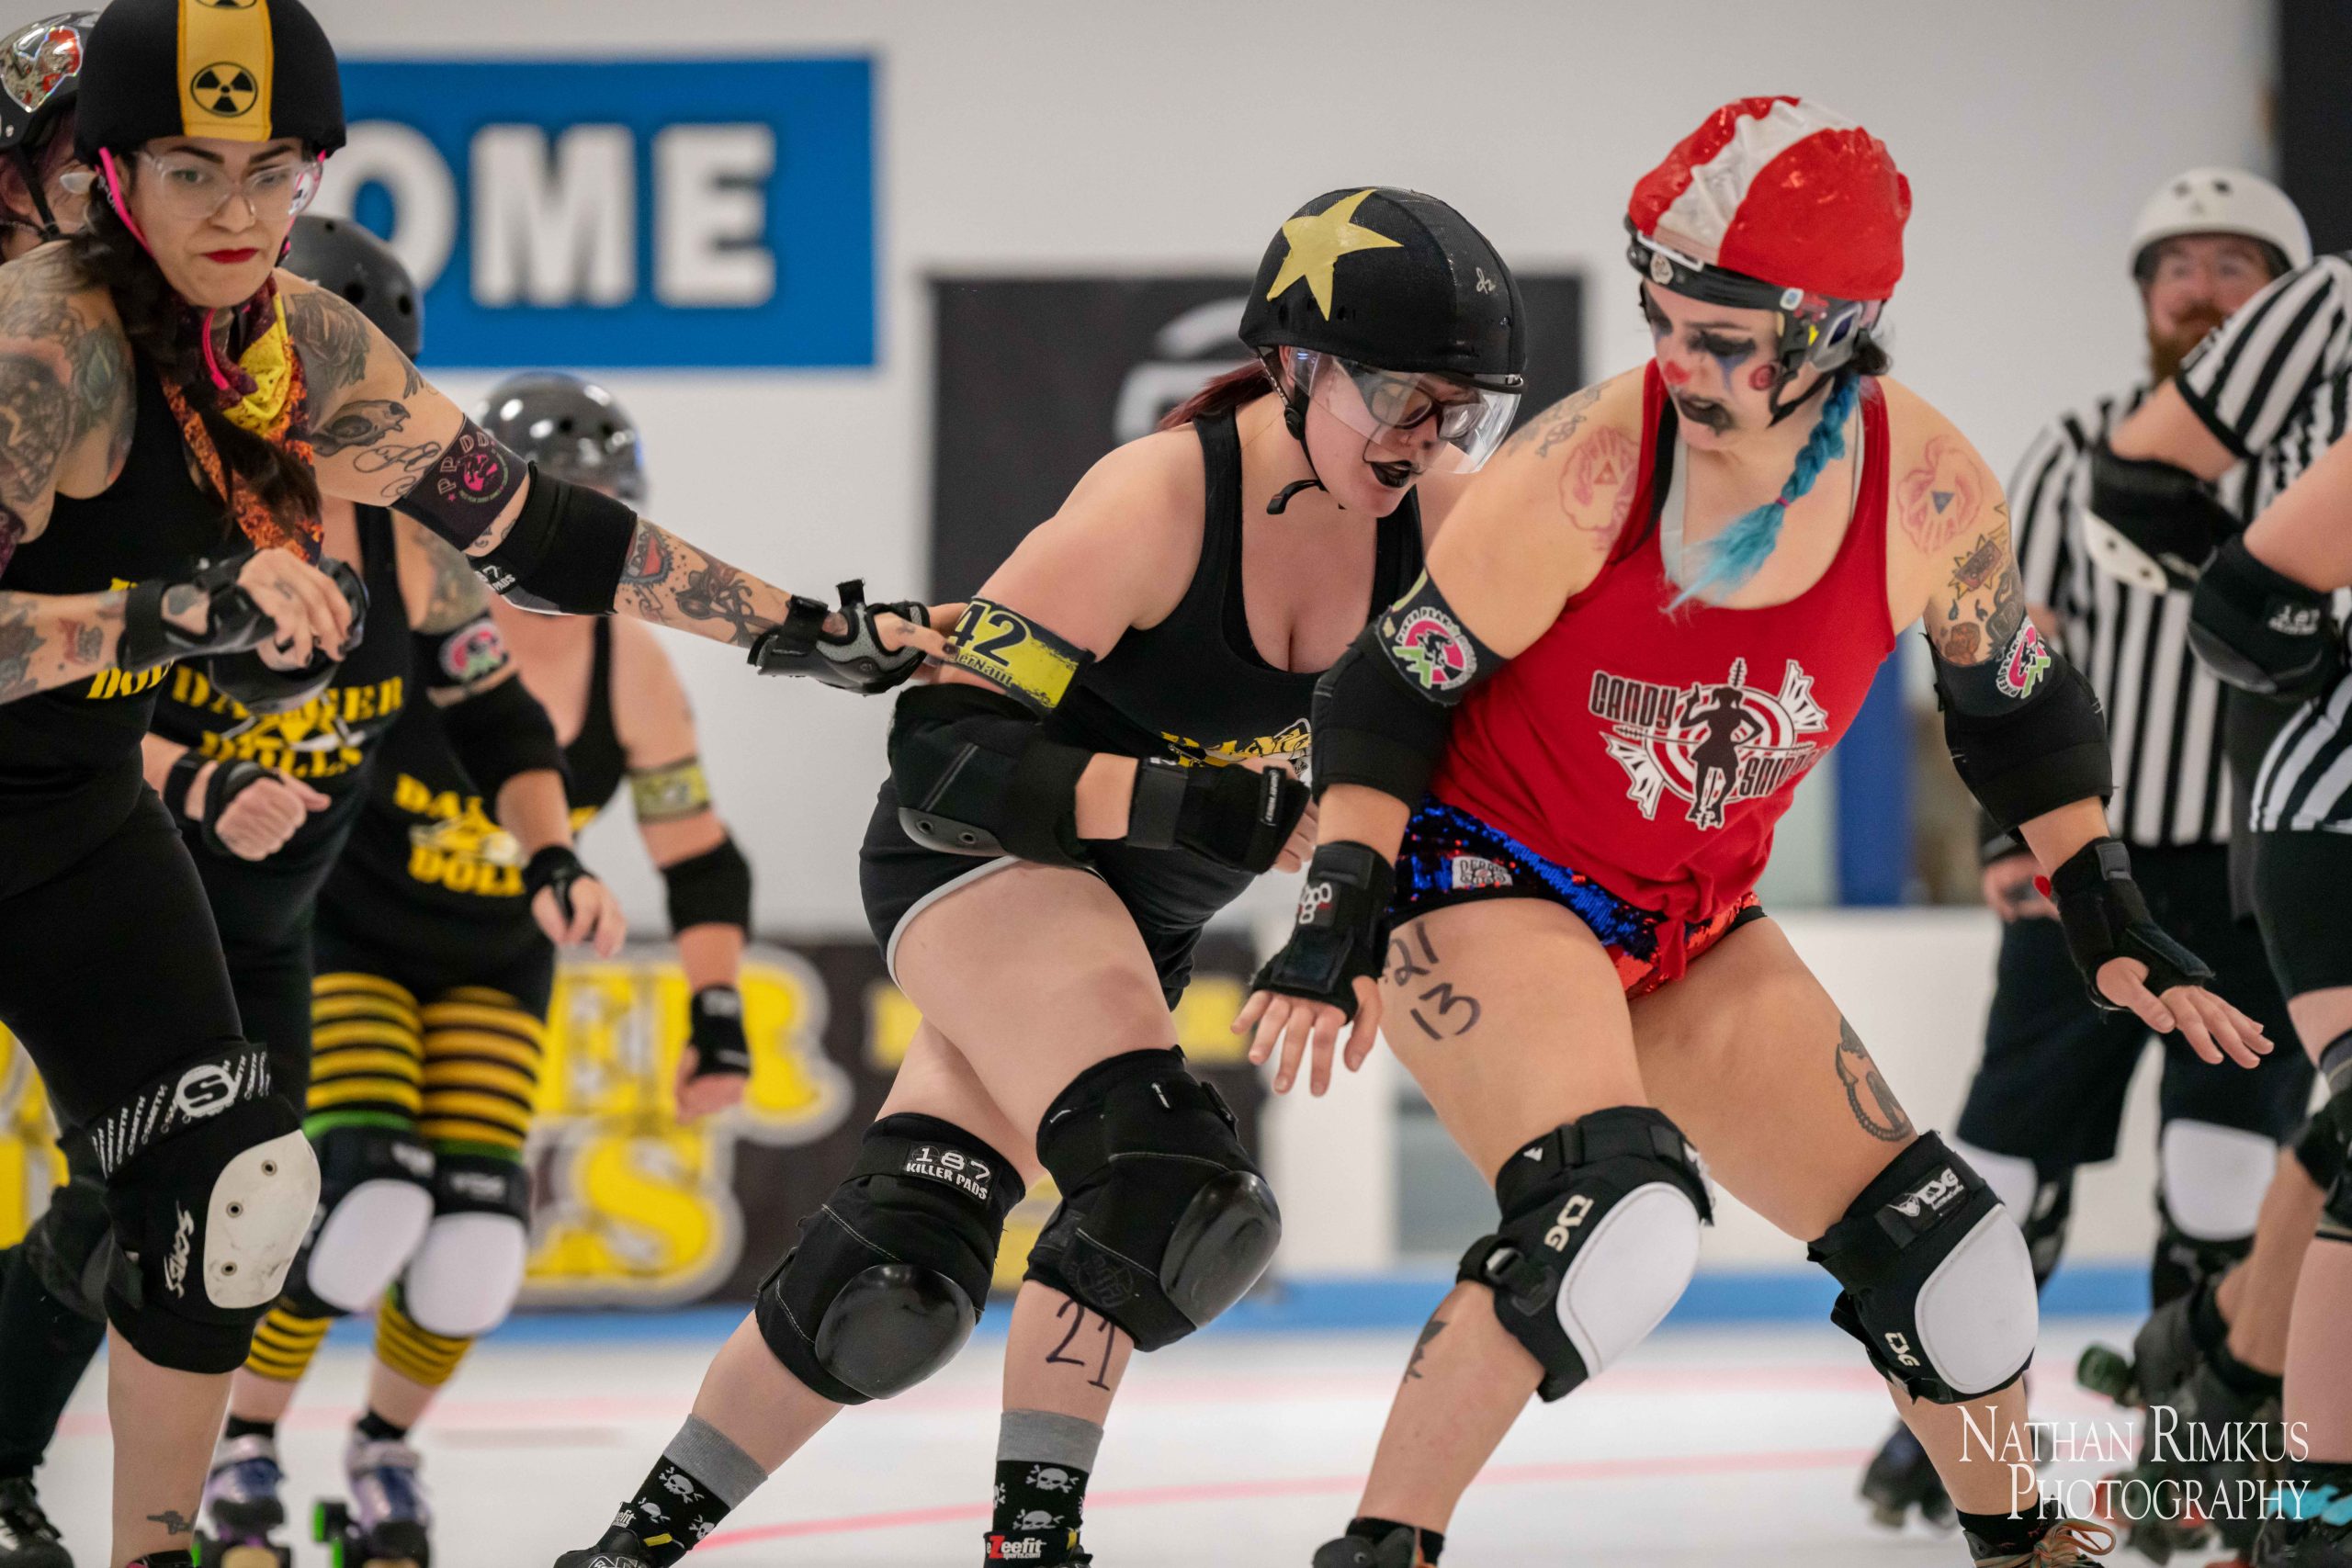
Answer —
264 910
2051 1086
1169 894
2300 883
524 971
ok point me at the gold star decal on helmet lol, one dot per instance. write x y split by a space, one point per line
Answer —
1317 244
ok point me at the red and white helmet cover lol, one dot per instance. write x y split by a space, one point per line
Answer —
1783 191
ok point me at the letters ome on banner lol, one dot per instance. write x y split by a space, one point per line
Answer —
638 214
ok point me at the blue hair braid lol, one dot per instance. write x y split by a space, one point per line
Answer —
1740 551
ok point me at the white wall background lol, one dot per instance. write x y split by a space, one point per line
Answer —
1111 135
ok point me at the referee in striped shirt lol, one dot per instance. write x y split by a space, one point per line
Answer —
2049 1096
2269 390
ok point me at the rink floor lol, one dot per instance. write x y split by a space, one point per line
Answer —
1709 1446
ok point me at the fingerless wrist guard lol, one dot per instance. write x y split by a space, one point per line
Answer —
1237 816
2105 917
233 621
1342 912
858 662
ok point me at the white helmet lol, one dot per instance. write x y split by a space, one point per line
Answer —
2221 201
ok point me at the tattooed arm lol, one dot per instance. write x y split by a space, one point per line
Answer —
381 432
443 594
66 416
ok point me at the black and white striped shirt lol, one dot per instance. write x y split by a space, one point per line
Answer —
2274 383
2163 708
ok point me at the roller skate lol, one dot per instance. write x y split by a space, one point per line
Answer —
1900 1478
615 1548
2063 1543
27 1537
2312 1530
1399 1548
386 1523
2166 1350
242 1514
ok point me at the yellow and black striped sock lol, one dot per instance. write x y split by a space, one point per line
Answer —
367 1052
284 1343
417 1354
482 1054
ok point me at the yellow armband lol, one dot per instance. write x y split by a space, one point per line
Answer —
1008 649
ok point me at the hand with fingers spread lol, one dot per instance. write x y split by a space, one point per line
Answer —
2131 963
1326 978
571 905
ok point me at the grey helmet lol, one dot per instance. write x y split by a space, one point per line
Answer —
570 427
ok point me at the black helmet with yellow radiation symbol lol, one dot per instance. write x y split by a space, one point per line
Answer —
240 70
1401 293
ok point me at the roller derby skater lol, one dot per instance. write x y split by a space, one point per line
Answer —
2262 391
1102 770
1516 865
2048 1097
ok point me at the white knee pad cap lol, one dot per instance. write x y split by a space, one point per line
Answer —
366 1240
1977 1314
1629 1273
464 1279
2011 1177
2214 1178
254 1223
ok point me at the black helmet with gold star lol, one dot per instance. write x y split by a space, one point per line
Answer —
239 69
1393 279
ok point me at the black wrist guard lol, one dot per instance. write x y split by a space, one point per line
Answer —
2105 916
716 1038
258 688
2151 523
1341 911
230 779
2262 631
858 662
232 621
558 867
1232 815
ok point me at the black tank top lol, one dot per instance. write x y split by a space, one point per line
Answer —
328 743
428 869
69 757
1195 687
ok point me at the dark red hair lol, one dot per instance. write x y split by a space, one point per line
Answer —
1241 385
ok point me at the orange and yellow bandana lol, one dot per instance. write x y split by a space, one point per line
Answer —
275 406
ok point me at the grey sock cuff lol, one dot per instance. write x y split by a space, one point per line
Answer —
710 1456
1042 1437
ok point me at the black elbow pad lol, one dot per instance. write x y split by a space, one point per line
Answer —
975 776
2043 754
713 888
499 733
1372 728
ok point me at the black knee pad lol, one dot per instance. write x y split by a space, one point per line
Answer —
891 1273
2183 1263
1939 1285
2320 1149
1165 1221
211 1185
2336 1067
71 1248
1600 1234
366 1170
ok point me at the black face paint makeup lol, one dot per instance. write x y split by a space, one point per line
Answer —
1704 411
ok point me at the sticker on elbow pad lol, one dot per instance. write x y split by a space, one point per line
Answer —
1009 650
2023 665
1427 644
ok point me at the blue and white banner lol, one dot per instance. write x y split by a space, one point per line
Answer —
649 213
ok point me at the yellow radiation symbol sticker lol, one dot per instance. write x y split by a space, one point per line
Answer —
226 90
635 1208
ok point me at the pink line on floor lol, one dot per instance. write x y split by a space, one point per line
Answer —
1316 1485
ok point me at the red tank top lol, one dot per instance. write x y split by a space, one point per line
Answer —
1654 751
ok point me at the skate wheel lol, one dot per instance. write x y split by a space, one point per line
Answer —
2103 1369
1888 1516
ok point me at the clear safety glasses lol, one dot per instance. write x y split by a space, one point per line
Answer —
1447 425
194 190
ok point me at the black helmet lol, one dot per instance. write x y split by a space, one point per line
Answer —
571 428
245 69
40 71
340 256
1392 278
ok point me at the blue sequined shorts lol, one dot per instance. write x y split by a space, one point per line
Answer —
1451 857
